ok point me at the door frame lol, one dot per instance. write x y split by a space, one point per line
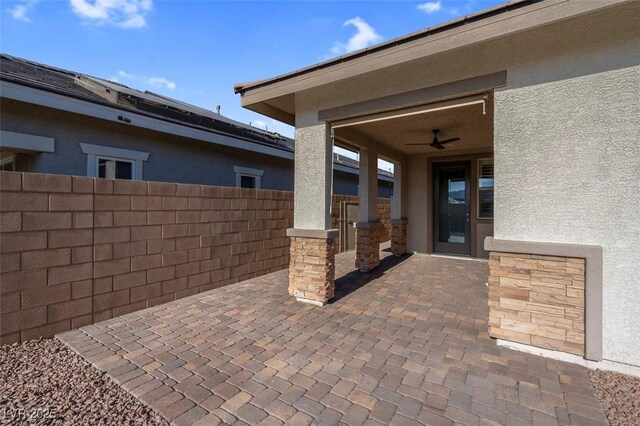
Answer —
473 158
463 249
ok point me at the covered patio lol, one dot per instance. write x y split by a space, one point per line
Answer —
404 344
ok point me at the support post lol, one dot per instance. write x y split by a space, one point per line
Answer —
398 219
368 227
312 261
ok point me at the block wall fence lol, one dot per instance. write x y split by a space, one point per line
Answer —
384 215
78 250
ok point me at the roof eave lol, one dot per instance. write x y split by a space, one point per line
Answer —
483 26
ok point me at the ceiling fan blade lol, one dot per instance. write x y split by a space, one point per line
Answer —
449 140
437 145
418 144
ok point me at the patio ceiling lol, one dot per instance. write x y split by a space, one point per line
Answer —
472 122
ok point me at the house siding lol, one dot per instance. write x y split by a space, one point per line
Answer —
172 158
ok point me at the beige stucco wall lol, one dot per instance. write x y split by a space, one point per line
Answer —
566 144
568 170
418 204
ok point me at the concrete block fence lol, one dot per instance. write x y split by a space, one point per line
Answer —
384 215
78 250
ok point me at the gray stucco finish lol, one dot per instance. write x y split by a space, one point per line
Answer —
313 164
567 159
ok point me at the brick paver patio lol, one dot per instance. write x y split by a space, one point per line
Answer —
406 344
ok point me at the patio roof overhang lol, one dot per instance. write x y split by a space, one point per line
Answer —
275 97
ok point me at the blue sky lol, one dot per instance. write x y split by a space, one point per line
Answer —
196 50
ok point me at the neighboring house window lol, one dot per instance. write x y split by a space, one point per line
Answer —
112 168
485 189
113 163
248 178
8 164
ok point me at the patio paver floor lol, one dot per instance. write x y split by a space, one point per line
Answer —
405 344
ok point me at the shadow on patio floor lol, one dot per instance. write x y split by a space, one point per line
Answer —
354 280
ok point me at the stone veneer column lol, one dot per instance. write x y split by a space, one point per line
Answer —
367 245
312 265
398 236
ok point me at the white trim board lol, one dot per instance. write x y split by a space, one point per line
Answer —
109 151
96 152
77 106
26 142
247 171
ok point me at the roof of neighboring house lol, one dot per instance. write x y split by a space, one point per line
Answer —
101 91
430 31
355 164
109 93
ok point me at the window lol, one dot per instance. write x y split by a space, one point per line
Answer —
114 169
485 189
113 163
248 178
8 164
247 181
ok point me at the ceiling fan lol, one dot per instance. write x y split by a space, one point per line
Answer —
436 143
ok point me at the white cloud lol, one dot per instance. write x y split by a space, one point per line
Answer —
430 6
259 123
161 82
155 82
19 11
273 126
121 13
365 36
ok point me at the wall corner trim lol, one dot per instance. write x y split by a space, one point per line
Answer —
593 280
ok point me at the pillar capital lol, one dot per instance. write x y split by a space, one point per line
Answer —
313 233
368 225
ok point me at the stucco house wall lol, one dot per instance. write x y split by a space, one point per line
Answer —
567 158
171 159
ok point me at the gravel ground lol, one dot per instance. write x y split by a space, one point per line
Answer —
44 382
620 396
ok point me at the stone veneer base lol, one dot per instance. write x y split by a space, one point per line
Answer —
538 300
367 245
398 236
312 267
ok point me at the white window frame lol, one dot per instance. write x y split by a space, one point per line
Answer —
249 172
97 152
480 160
9 159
